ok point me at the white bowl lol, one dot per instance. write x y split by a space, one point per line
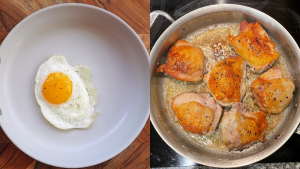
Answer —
119 63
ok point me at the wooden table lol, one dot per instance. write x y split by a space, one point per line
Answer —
134 13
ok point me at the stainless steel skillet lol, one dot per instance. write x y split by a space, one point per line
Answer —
187 24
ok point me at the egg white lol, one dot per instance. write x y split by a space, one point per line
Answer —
78 110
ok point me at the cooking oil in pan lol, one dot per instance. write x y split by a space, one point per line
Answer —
213 41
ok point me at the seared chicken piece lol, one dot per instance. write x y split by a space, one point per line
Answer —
185 62
197 113
240 127
271 92
226 80
254 45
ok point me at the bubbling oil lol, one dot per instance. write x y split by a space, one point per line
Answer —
214 43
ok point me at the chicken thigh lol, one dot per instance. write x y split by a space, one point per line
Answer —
271 92
240 127
254 45
185 62
226 80
197 113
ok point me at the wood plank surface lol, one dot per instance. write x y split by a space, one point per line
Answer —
133 12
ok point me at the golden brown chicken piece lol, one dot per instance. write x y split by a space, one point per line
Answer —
197 113
185 62
226 80
271 92
254 45
241 127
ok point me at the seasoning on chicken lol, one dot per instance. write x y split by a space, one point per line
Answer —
254 45
226 80
241 127
271 92
185 62
197 113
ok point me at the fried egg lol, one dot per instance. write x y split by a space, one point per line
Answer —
65 94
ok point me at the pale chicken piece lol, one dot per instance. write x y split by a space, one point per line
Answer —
271 92
254 45
185 62
226 80
197 113
241 127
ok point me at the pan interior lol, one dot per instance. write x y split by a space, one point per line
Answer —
118 60
163 118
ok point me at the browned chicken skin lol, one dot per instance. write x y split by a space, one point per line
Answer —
241 127
197 113
254 45
272 92
226 80
185 62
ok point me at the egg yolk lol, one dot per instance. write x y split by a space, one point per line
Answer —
57 88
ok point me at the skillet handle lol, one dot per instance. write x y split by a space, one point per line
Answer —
156 13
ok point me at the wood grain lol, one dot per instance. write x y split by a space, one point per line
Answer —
146 40
2 36
136 14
